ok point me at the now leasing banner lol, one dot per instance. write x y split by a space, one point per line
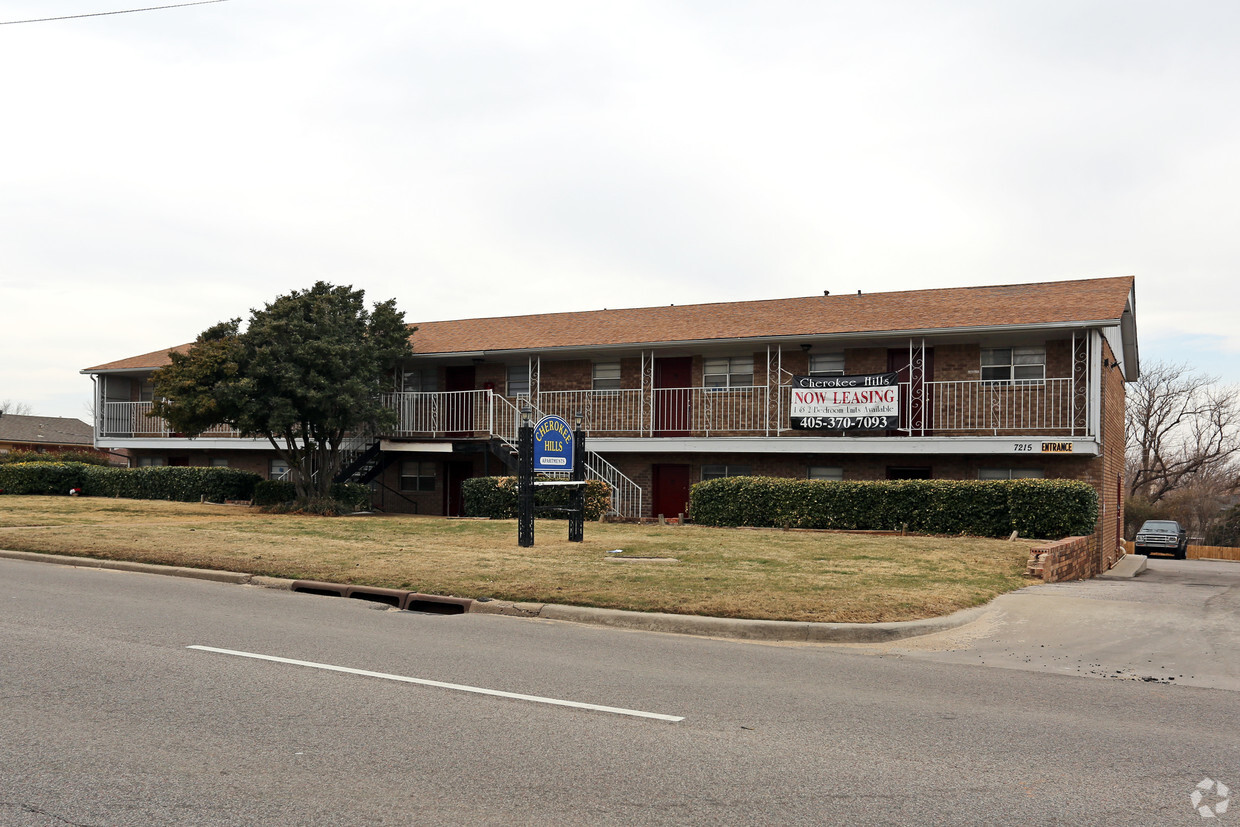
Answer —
846 403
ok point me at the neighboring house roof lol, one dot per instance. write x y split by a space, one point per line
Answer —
1103 300
45 430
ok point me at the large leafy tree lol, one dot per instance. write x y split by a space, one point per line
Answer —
306 372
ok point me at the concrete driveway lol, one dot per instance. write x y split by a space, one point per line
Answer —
1177 623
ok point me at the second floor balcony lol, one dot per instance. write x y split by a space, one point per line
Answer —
942 409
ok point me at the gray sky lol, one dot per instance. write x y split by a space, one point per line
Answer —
166 170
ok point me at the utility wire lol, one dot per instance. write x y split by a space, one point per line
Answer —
105 13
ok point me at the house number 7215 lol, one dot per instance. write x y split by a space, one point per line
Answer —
1021 447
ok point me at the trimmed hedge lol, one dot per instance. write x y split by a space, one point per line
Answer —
1034 508
87 457
353 495
184 484
496 498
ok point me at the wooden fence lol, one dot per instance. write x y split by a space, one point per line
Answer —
1201 552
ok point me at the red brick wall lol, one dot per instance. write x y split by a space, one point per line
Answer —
1111 473
1073 558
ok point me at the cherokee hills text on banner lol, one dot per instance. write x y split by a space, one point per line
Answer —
868 402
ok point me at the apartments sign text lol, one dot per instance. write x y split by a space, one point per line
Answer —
869 402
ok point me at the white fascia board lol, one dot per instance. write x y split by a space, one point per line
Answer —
1131 357
119 371
393 446
981 330
183 444
1026 446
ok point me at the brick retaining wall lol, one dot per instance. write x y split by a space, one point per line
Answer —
1072 558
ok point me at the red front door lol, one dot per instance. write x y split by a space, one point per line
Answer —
671 489
672 378
457 411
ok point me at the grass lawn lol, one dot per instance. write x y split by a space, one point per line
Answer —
750 573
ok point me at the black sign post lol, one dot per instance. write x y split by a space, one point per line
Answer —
577 499
525 482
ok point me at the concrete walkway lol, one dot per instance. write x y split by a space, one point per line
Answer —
1177 623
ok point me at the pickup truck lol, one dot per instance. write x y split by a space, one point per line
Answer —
1165 536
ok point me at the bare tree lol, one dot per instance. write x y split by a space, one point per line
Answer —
8 406
1183 430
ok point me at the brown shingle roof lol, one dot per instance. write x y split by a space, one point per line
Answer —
1017 305
961 307
154 359
45 430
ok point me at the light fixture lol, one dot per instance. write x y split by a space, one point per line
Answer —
806 347
577 418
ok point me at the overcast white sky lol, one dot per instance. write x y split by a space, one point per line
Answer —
166 170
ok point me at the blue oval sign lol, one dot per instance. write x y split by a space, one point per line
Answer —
553 445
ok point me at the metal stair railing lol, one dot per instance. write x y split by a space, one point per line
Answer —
626 495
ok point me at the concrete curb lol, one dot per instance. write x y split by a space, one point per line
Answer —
737 628
126 565
722 627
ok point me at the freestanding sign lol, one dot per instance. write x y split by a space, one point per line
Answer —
549 446
869 402
553 445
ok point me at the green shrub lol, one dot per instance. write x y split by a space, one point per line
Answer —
185 484
42 477
281 496
274 492
84 457
1035 508
496 498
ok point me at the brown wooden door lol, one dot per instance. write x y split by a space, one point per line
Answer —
671 489
672 396
916 403
455 473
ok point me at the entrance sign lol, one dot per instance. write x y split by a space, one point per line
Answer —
553 445
867 402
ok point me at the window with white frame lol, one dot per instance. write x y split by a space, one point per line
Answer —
728 372
416 475
519 380
1010 474
1013 365
277 469
714 472
826 364
146 391
418 380
826 472
606 376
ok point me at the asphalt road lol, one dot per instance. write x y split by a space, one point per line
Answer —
107 718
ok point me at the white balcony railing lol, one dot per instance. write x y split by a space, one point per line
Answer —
1047 405
133 420
444 414
955 408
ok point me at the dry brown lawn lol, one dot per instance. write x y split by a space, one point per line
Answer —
750 573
